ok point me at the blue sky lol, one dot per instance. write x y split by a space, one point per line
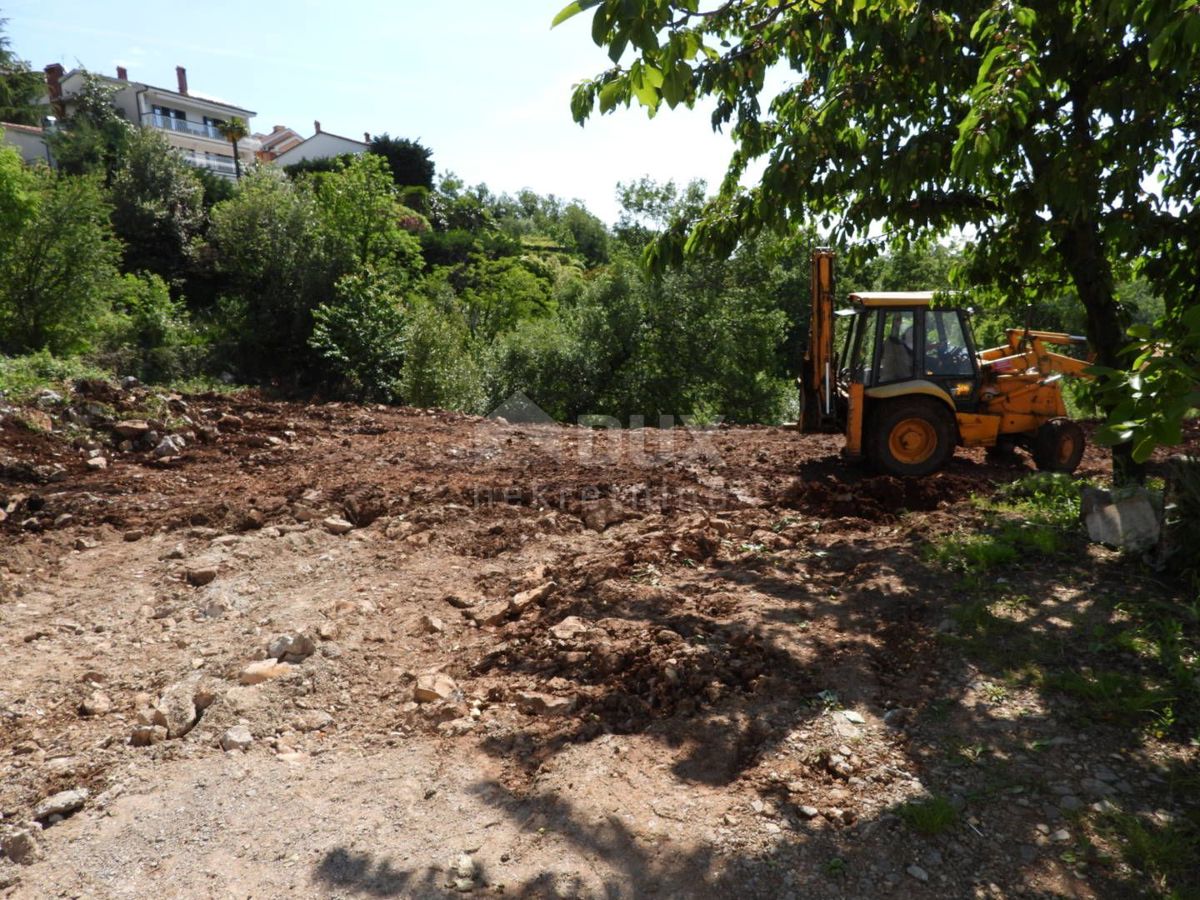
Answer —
484 83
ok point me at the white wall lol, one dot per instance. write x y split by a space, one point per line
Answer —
320 146
31 146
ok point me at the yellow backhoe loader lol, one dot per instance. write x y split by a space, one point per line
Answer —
909 384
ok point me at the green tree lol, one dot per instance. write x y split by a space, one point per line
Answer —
361 213
92 137
59 267
277 267
410 162
440 368
158 207
235 131
1035 126
20 87
360 335
18 195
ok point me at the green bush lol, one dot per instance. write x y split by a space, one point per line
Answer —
148 334
22 377
439 368
58 265
542 359
361 335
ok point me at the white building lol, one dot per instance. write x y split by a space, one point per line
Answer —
322 145
28 139
189 121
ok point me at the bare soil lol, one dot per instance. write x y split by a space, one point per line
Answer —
671 656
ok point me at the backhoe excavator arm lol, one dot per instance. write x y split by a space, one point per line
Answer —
818 386
1027 350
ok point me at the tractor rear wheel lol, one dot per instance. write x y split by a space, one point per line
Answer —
1058 446
910 436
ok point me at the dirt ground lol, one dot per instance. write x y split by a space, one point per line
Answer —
662 663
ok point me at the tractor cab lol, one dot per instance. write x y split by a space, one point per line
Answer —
894 339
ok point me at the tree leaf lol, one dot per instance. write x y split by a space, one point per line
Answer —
572 9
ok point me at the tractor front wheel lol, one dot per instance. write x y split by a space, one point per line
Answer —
1058 446
910 436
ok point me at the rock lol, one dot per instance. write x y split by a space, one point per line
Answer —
1127 520
312 720
432 625
132 429
1061 836
538 704
38 420
46 398
263 670
897 718
170 445
97 463
237 738
809 812
229 422
337 525
917 872
251 520
61 804
521 601
1070 803
492 613
464 867
851 716
134 534
570 627
201 572
434 686
600 514
458 601
176 709
96 703
292 648
22 845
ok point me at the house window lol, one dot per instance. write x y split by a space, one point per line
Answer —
166 112
215 123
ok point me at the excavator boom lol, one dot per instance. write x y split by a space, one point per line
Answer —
817 383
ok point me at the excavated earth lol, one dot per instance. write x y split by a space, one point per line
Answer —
474 657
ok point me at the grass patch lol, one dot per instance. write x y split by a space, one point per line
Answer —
1035 515
931 816
1168 855
22 377
1112 695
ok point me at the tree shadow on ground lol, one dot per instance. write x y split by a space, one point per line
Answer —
1034 698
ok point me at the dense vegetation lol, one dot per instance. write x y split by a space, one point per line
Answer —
1035 128
369 277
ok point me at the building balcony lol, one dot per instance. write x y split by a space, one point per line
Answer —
196 129
222 165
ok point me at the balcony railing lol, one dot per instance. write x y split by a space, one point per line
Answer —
221 165
169 123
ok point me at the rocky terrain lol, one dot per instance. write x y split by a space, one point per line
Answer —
264 649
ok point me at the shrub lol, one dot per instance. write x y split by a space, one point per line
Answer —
439 369
361 335
148 334
58 265
21 377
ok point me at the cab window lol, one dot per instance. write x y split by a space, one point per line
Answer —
896 346
946 350
862 339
